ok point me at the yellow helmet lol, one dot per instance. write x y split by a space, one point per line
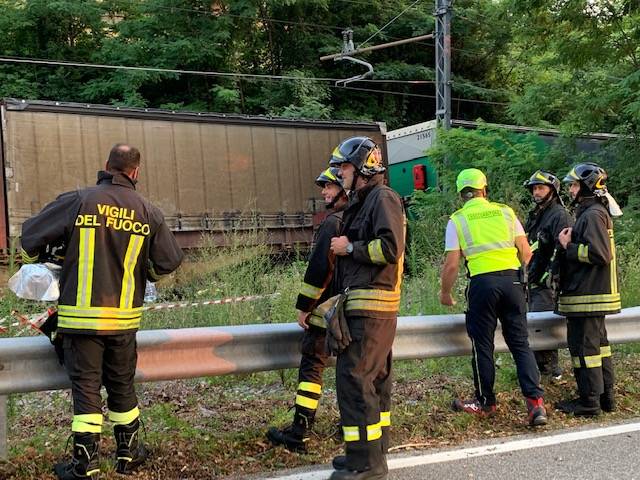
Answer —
471 177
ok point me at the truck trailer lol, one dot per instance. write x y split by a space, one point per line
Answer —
208 172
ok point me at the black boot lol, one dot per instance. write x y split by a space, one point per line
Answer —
294 437
379 472
579 407
130 451
84 463
339 462
608 400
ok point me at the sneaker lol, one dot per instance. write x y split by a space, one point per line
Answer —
578 408
473 407
537 414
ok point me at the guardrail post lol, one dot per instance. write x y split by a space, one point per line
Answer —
3 427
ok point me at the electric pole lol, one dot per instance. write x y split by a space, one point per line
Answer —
443 63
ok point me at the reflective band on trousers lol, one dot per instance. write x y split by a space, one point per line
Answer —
486 232
124 418
310 387
385 419
374 432
351 434
87 423
605 351
306 402
590 361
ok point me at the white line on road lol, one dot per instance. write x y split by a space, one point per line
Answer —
472 452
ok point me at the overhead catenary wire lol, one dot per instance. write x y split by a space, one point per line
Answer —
388 23
249 76
255 76
422 95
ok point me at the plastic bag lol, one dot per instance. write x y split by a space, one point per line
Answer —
37 281
150 293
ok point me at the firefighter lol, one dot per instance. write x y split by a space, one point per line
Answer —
589 290
545 221
370 252
115 240
492 242
316 288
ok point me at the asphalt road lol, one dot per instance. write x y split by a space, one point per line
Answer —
592 452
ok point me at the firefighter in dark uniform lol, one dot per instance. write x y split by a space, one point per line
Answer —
545 222
589 290
492 241
370 254
115 239
316 288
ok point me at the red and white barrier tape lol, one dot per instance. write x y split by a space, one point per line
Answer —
222 301
35 321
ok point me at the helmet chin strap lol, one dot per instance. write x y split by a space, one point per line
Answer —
544 200
332 203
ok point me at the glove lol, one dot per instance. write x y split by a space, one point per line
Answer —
50 329
338 334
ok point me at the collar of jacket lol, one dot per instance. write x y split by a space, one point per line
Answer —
373 182
116 179
584 203
538 210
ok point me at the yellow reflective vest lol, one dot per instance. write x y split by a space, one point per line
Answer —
486 232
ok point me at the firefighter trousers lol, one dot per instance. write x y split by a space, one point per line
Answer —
312 365
541 300
363 382
493 296
591 357
95 360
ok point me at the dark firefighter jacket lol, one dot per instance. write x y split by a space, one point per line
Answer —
114 240
317 284
588 276
544 224
374 222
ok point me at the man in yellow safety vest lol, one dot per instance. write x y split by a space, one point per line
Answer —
491 240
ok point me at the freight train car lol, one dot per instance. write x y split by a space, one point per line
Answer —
207 172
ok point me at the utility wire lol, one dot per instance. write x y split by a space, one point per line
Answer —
255 76
420 95
240 75
388 23
34 61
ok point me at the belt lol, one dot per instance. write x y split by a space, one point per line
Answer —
501 273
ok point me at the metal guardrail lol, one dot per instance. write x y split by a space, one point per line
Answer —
29 364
